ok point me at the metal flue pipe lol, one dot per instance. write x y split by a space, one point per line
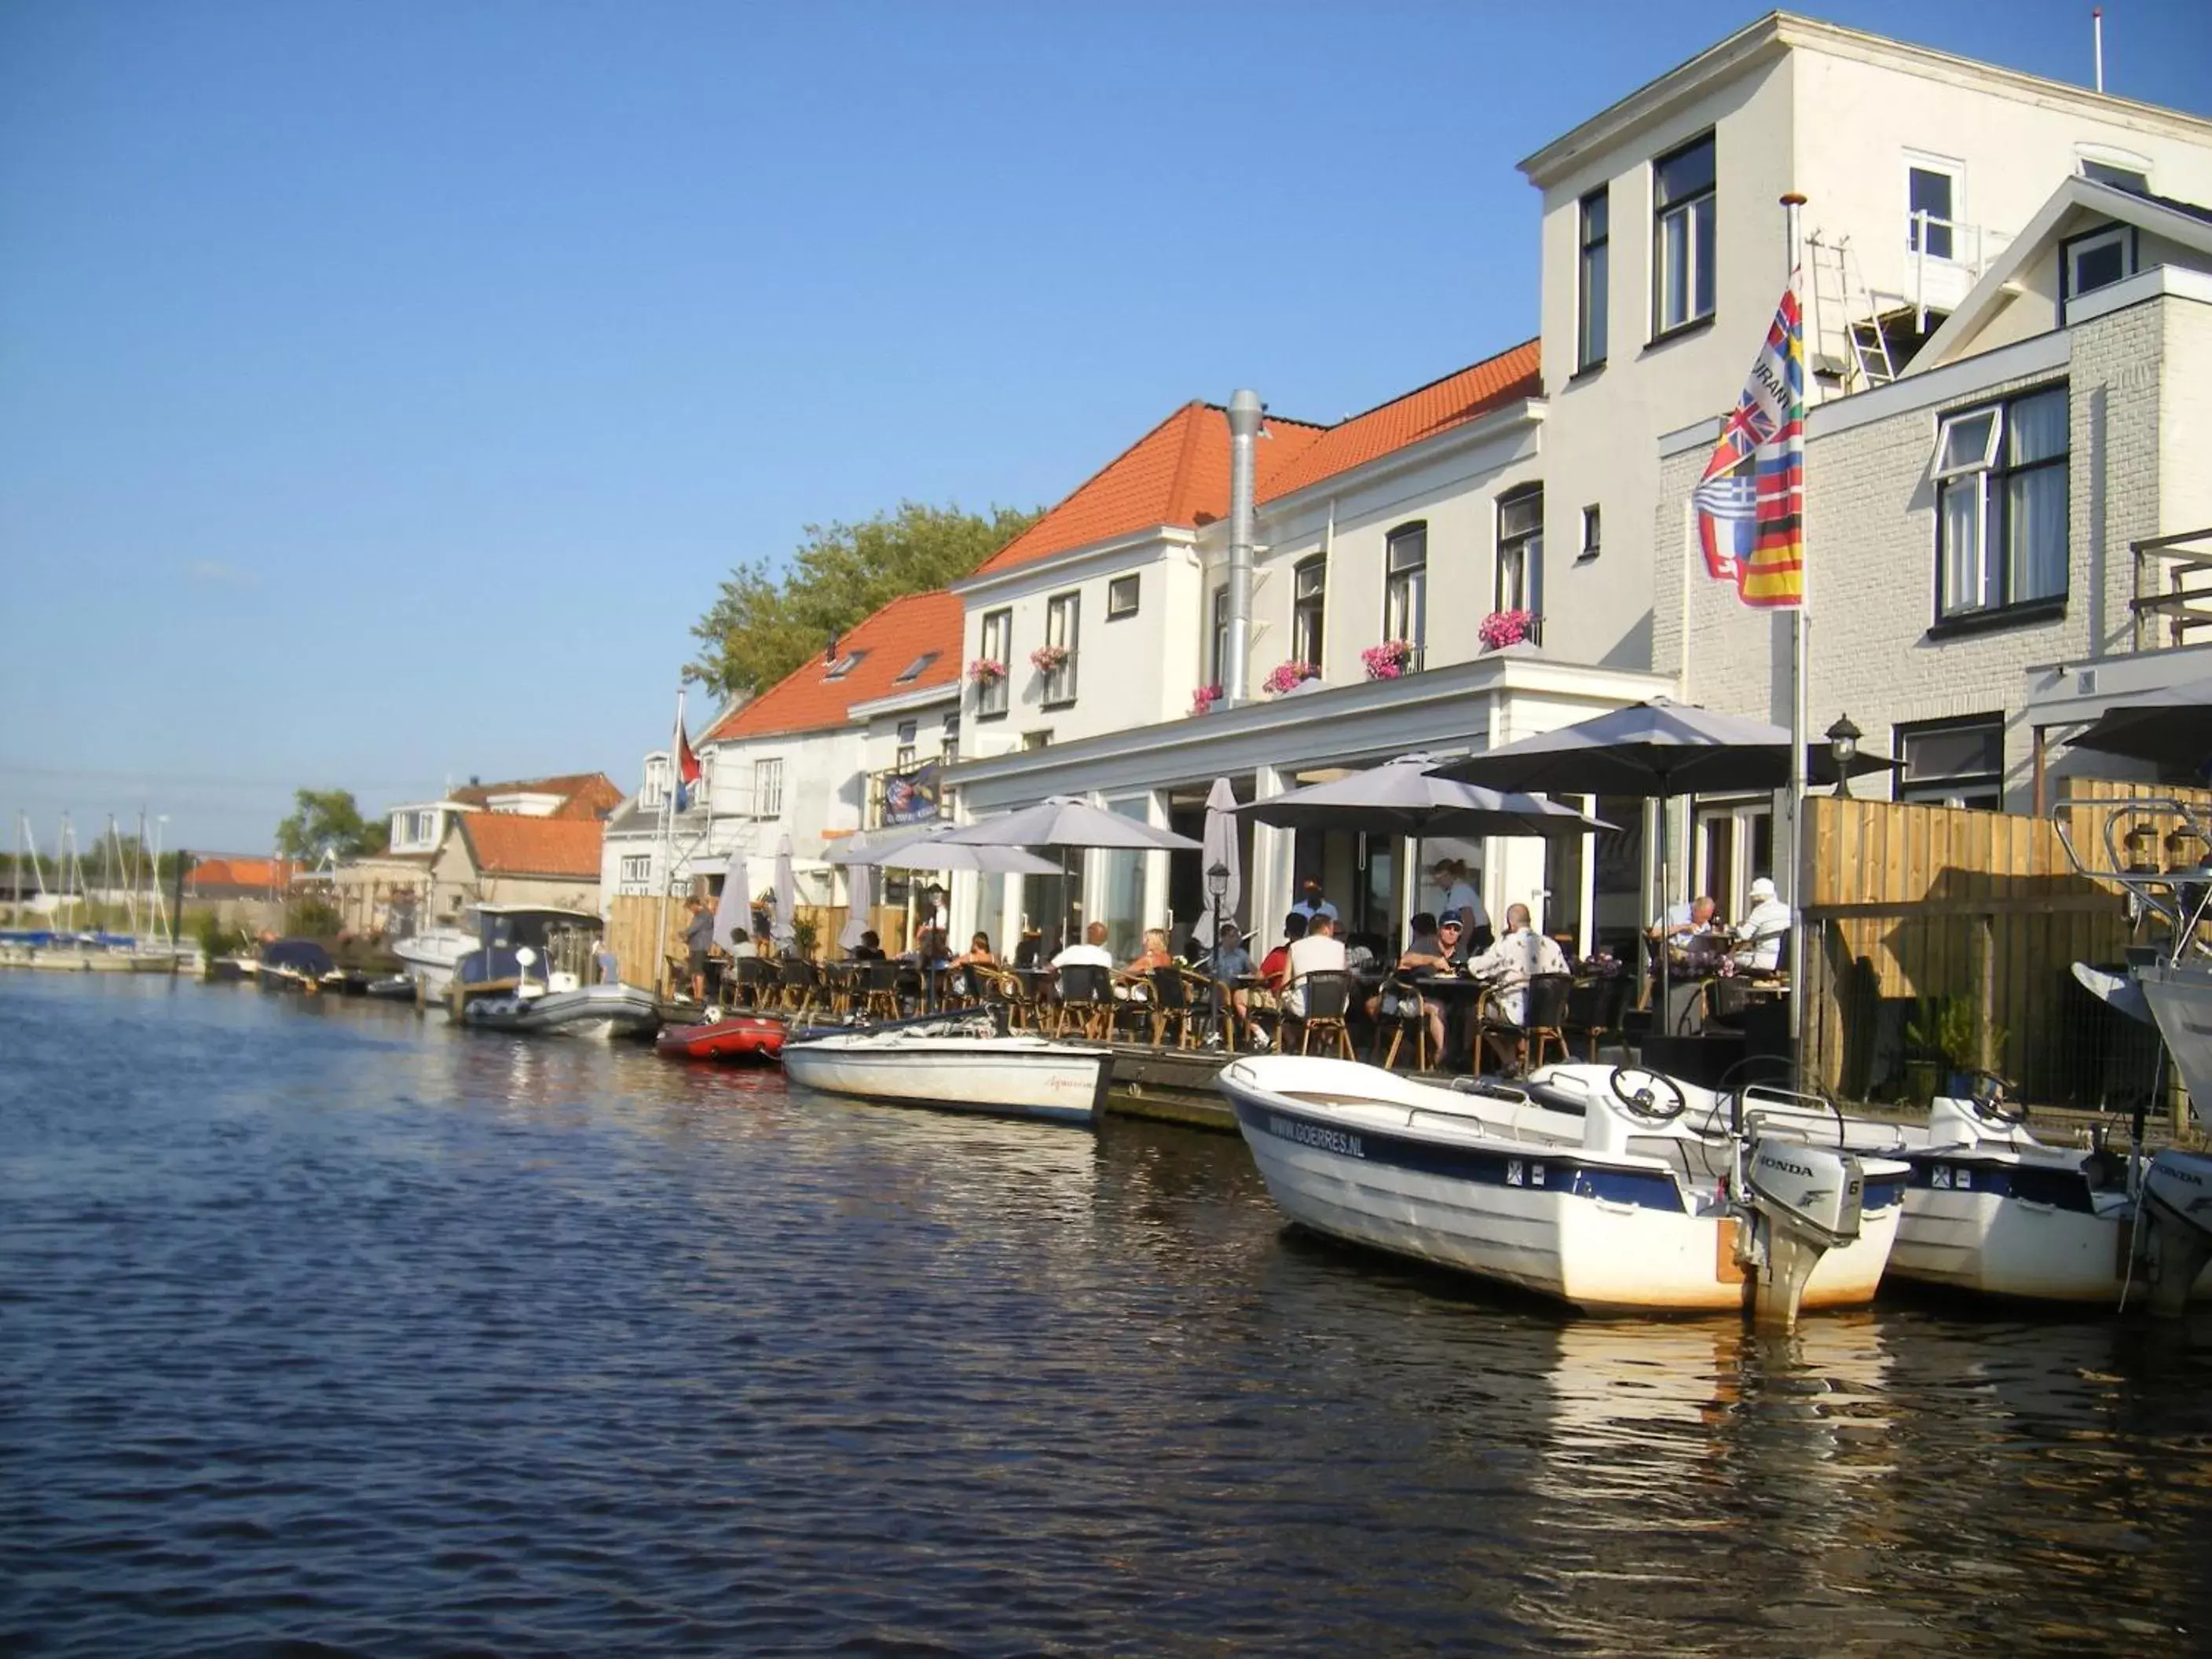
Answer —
1244 411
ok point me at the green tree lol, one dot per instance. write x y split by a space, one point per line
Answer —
760 629
328 820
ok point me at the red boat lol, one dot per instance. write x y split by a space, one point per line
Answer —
735 1036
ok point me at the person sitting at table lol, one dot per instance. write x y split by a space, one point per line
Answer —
870 949
1319 952
1092 952
977 955
1758 940
1027 951
1275 966
1426 952
1505 969
1155 953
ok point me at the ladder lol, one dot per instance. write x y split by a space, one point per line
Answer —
1848 340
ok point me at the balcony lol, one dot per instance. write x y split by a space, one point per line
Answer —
2172 595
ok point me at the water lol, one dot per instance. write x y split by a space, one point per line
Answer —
323 1330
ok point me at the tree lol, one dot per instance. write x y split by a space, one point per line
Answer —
327 820
760 629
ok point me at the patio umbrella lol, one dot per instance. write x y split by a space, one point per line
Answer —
1218 846
734 914
1408 797
2170 727
784 921
1064 822
859 899
1657 748
927 847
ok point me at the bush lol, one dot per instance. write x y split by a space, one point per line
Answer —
311 918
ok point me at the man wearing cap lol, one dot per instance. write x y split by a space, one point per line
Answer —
1758 940
1461 902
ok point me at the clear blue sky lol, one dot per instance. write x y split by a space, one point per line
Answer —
384 388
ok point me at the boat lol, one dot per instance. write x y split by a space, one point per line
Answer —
1610 1201
432 955
962 1063
293 964
731 1036
391 987
592 1010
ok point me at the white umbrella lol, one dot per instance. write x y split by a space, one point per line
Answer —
785 925
733 914
1219 847
859 899
1068 821
929 847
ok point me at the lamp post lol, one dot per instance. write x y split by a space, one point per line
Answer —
1844 746
1217 894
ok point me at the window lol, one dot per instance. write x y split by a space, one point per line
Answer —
1682 236
2100 259
637 870
2000 504
1520 550
845 665
1063 613
1591 288
1405 586
998 643
2119 168
1217 656
917 668
908 731
1590 534
950 747
768 789
1931 191
1959 763
1121 597
1033 741
1308 609
654 790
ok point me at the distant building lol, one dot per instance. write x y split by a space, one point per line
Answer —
506 858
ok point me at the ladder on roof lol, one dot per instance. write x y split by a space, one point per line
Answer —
1848 340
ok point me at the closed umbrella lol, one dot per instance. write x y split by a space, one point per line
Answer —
2171 726
1219 850
859 899
784 921
733 913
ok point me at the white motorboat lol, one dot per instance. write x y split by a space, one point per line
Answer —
958 1063
431 955
1612 1201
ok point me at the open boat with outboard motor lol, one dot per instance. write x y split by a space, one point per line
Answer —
1610 1201
729 1036
963 1062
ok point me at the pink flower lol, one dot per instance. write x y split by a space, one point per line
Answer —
1289 676
1503 628
1049 659
986 671
1389 660
1204 698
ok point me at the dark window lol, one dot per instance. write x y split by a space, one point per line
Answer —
1957 763
1121 597
845 665
1591 527
1591 289
2001 495
1217 656
917 668
2106 173
2100 259
1520 550
1309 609
1683 236
1405 586
1927 201
998 643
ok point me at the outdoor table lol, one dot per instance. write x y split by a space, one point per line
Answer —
1461 996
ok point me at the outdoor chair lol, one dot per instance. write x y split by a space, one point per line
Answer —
1172 1005
1086 1000
879 990
802 985
1596 1009
1400 1007
1323 1002
1542 1023
753 982
999 989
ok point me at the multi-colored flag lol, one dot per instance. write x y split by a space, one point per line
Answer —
687 769
1750 502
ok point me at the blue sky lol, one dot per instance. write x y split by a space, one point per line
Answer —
385 388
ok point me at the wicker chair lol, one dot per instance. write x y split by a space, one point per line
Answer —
1543 1018
1596 1008
1323 1001
753 982
1086 1000
879 990
802 985
1411 1013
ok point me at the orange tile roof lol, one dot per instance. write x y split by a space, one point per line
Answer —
1422 413
1176 474
234 869
583 794
510 844
891 642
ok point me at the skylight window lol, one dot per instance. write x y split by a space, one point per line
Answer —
918 667
844 664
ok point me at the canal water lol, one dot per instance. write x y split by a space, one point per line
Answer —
328 1330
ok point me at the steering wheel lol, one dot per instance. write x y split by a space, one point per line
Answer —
1661 1100
1991 1101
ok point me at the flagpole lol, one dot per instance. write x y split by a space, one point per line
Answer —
662 975
1800 626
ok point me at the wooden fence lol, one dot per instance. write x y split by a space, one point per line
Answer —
634 923
1913 906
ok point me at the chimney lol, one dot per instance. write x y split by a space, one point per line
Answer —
1244 411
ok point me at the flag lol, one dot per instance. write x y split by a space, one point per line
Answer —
1750 502
687 770
911 797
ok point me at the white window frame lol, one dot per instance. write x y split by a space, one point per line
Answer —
1118 587
1918 161
995 641
2112 159
1063 625
1705 204
636 871
2120 236
1985 467
653 792
1593 280
1306 641
767 786
1593 533
1406 589
1519 581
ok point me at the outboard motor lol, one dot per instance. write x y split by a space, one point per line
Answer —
1805 1202
2176 1224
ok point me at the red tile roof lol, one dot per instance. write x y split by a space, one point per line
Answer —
1176 474
1422 413
241 871
510 844
888 643
583 794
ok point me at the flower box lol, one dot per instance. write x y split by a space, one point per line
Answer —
1049 659
1389 660
1289 677
1503 628
1204 698
986 671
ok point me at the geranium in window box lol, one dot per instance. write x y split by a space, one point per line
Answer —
1049 659
1289 677
1503 628
1389 660
1204 698
986 671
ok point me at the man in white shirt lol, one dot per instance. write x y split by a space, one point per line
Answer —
1092 952
1507 968
1320 951
1460 898
1311 904
1758 940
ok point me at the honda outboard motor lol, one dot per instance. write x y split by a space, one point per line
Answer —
1805 1202
2176 1224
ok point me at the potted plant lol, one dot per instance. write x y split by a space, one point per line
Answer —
1204 698
1389 660
1943 1046
1286 676
1503 628
986 671
1049 659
